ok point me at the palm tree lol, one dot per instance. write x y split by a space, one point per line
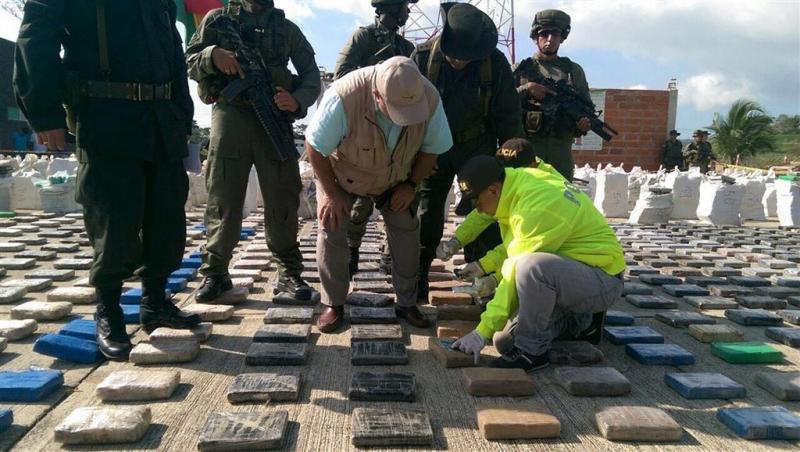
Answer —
746 129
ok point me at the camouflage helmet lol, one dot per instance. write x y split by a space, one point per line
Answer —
551 19
375 3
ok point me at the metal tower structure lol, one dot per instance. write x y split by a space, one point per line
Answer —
423 24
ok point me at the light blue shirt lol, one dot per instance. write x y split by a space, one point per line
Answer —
328 127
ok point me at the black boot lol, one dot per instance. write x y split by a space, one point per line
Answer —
112 338
213 286
157 311
295 287
354 256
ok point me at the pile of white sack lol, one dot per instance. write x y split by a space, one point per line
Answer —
645 197
41 183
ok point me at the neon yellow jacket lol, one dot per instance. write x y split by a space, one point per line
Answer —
541 212
475 223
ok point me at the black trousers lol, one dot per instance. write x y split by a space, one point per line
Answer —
134 215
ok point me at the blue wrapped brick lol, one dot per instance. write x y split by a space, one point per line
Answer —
30 385
191 262
660 354
176 284
621 335
188 274
705 385
68 348
130 314
771 422
619 318
134 296
80 328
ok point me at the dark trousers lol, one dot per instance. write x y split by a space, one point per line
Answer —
433 196
134 215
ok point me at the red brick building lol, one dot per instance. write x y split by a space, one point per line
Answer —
643 119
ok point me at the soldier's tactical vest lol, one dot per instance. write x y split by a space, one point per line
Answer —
362 163
533 121
431 52
269 34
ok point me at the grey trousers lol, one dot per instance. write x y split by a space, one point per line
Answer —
333 255
359 217
557 295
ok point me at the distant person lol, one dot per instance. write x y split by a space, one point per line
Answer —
21 139
672 156
699 152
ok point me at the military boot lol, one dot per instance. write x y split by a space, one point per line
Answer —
294 286
354 256
213 286
112 338
157 311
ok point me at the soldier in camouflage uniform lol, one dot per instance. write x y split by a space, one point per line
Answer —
477 90
369 46
123 78
238 140
699 152
552 136
672 155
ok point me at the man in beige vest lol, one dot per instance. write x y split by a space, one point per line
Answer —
377 133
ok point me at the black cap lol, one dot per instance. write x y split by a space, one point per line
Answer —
674 132
479 172
516 153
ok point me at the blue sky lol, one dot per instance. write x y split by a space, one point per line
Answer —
719 50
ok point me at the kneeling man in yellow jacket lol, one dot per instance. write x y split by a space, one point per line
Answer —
562 269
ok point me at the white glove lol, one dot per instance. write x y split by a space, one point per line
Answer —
480 288
471 271
471 344
446 250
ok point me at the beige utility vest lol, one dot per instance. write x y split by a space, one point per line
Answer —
362 163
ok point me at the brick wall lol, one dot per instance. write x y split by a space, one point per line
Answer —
641 117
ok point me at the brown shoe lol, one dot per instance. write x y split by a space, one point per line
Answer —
330 319
413 316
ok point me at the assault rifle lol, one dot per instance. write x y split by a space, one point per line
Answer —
256 86
568 102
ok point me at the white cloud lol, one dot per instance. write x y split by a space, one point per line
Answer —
295 10
710 90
